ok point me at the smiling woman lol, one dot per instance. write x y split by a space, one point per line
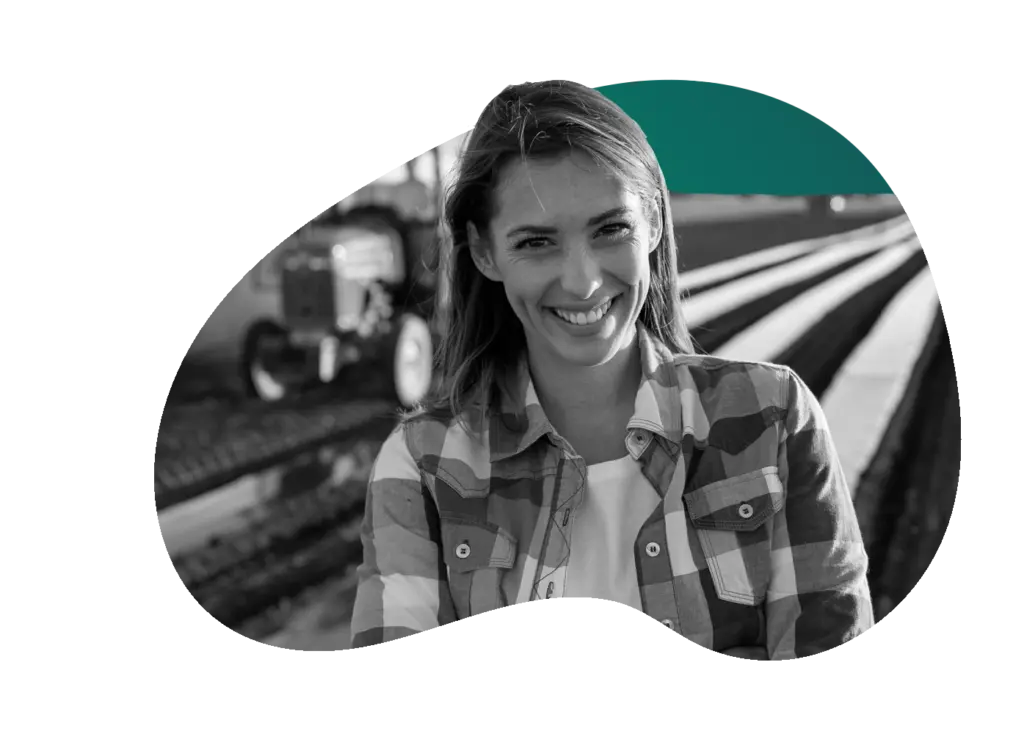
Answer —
579 447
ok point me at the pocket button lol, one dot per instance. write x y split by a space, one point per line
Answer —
668 623
746 511
462 550
653 549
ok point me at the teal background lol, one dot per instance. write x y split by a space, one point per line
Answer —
718 139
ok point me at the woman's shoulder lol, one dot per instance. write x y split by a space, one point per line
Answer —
727 384
714 370
730 387
434 428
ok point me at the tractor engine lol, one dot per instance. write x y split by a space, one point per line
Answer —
336 279
312 291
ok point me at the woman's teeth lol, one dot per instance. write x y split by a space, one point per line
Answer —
585 318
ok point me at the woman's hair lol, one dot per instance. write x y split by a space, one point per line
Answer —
482 338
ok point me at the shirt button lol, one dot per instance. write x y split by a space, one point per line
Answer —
462 550
641 438
668 623
746 511
653 549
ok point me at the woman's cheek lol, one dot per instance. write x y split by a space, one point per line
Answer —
523 292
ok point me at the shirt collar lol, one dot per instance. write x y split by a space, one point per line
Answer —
520 421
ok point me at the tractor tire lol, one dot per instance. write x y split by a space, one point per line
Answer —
262 381
409 353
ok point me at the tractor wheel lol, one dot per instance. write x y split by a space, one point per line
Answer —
411 355
268 372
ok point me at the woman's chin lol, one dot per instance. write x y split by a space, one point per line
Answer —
590 351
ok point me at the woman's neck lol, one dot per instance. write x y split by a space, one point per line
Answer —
573 395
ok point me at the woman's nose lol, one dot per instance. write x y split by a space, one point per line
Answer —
581 273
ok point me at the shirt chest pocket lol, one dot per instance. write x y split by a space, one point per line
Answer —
477 556
733 522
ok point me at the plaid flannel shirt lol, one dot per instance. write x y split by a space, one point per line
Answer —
754 542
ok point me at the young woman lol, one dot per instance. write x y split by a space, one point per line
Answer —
581 448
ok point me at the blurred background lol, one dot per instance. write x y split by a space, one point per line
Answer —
282 401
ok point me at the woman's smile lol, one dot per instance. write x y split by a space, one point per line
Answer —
582 320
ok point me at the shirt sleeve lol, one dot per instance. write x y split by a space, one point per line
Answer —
818 597
403 586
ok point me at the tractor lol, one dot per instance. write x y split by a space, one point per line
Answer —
354 286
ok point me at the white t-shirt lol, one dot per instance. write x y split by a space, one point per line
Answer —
616 502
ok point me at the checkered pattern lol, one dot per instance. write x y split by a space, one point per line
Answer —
753 544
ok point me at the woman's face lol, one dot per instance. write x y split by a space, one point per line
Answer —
570 243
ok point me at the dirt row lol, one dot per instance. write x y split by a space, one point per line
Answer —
906 499
206 444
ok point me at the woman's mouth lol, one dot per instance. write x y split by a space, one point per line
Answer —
588 317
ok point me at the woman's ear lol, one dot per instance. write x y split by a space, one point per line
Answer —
481 253
655 227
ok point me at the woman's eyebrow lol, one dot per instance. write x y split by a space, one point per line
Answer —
532 229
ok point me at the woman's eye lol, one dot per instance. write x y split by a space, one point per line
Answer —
531 244
614 229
